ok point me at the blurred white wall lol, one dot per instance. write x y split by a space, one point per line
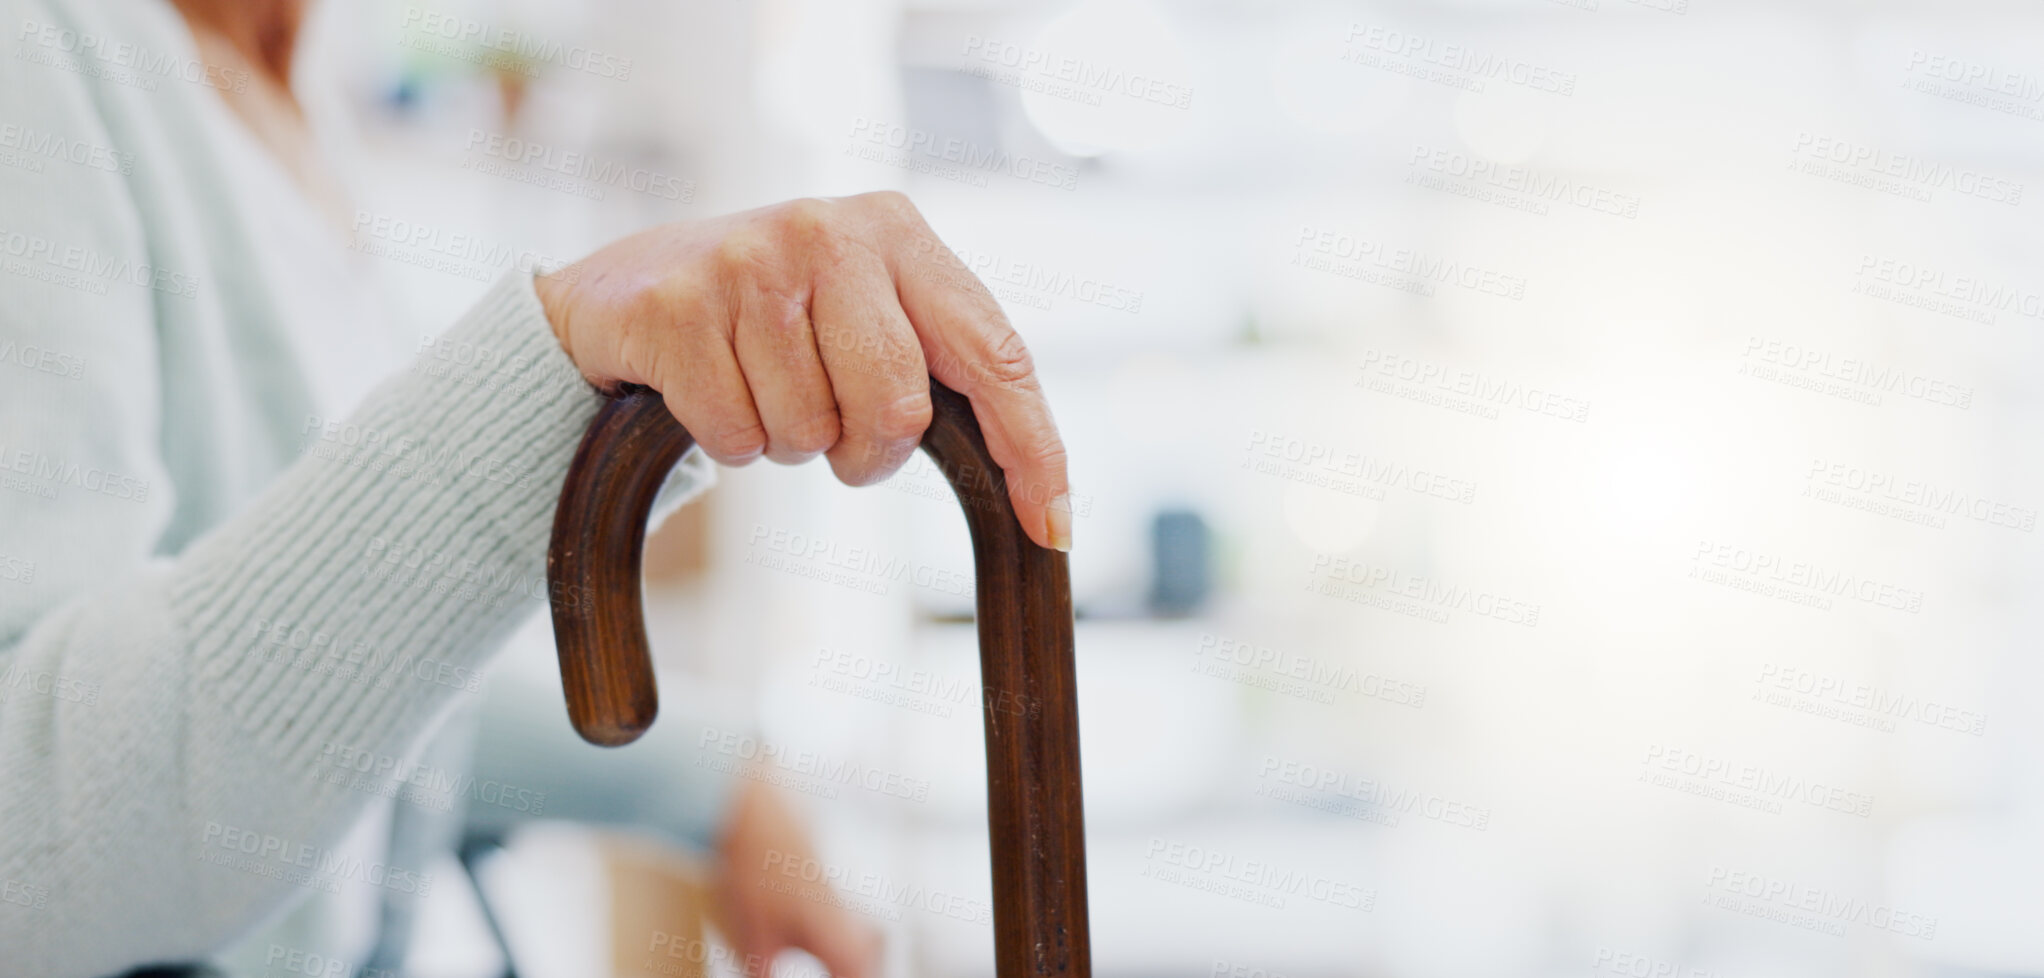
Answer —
1536 363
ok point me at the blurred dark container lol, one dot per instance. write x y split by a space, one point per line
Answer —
1180 572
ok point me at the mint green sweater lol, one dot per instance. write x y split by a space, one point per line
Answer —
192 604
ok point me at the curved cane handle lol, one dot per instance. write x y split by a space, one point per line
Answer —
1024 595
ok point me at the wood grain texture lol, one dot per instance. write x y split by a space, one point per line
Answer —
1035 816
592 565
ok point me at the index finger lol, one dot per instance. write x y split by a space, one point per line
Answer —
971 348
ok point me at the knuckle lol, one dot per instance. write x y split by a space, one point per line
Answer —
891 201
1009 364
869 461
1047 455
808 222
876 353
930 260
638 354
738 255
787 330
814 435
646 343
740 441
852 470
644 301
902 419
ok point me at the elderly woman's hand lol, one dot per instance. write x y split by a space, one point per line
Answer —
811 328
776 894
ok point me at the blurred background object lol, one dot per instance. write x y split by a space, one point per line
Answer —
1180 569
1557 477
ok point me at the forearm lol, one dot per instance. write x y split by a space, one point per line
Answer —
346 607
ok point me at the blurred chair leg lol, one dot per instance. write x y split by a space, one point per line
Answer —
475 847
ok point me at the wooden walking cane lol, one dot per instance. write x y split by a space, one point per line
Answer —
1025 654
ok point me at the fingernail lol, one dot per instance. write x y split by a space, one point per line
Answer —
1057 520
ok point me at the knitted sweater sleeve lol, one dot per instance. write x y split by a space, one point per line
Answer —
169 722
168 734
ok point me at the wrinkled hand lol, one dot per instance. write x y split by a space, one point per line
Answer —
769 906
812 327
